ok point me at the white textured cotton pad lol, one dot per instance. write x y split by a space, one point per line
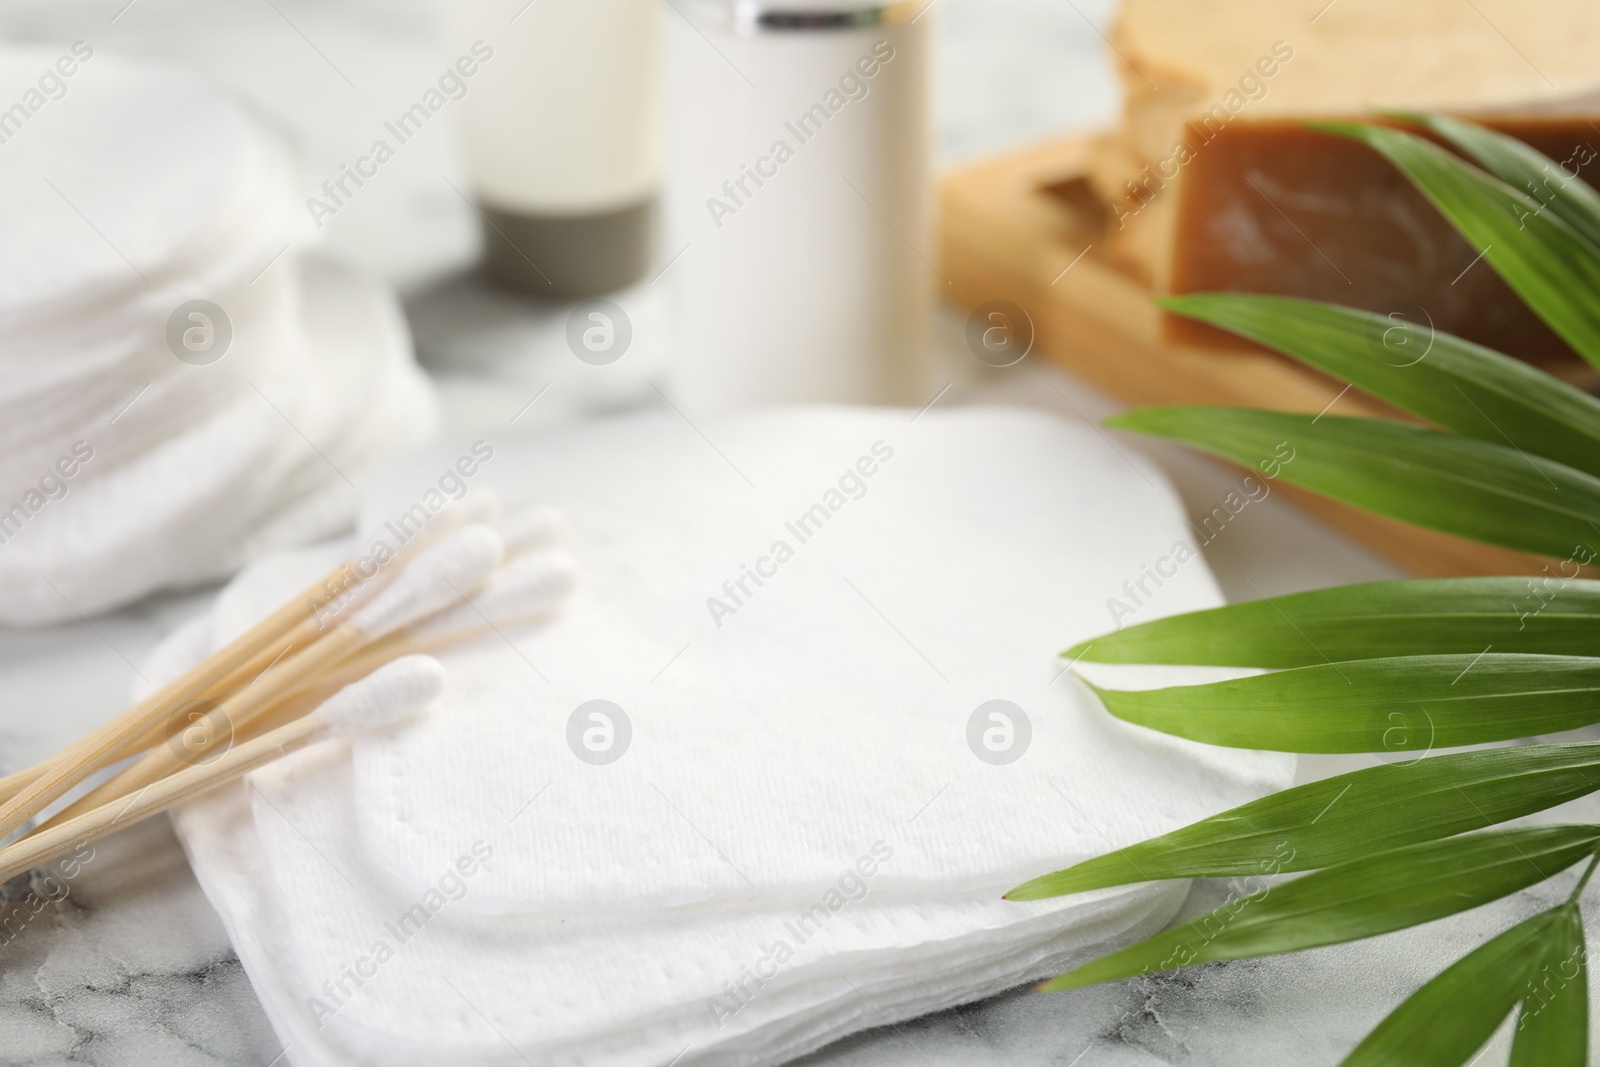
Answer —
394 692
529 529
222 841
631 985
237 483
594 989
778 714
126 465
869 963
177 147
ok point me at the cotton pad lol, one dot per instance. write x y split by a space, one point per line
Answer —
302 844
233 485
836 688
318 859
601 990
181 391
221 840
142 121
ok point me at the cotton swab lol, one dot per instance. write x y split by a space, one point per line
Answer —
457 565
393 692
297 623
453 569
486 507
68 768
526 588
522 591
523 531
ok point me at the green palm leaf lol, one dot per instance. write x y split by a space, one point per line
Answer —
1418 617
1401 704
1553 1026
1463 387
1374 895
1526 170
1462 486
1542 258
1337 819
1448 1019
1404 666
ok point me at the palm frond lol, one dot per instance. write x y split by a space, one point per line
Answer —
1512 457
1337 819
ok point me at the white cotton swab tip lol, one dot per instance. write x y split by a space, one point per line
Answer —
523 589
396 691
440 575
530 529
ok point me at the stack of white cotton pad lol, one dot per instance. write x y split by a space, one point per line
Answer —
795 815
176 394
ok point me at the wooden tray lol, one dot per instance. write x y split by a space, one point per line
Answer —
1014 228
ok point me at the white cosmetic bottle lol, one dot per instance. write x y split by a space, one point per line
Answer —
798 201
561 133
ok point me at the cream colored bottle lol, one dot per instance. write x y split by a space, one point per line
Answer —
561 132
798 201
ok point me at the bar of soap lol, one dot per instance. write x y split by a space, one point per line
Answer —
1214 183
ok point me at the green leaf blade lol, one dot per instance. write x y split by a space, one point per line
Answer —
1337 819
1375 895
1543 259
1553 1025
1396 705
1415 617
1451 1016
1459 485
1524 169
1453 383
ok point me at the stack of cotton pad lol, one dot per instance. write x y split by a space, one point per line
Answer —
132 457
791 820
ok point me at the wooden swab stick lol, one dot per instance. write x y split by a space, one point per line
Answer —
97 750
524 531
458 564
234 711
522 591
391 693
295 624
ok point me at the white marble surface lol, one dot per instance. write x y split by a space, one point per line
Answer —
132 967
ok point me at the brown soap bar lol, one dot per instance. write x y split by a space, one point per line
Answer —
1213 182
1274 207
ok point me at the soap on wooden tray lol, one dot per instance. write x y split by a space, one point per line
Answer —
1214 182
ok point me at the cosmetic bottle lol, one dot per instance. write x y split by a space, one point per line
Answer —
561 131
798 201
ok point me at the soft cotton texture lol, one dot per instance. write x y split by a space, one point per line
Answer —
838 694
635 900
139 190
395 691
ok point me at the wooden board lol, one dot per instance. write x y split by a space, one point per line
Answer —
1014 228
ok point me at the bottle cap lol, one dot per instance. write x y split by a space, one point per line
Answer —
567 257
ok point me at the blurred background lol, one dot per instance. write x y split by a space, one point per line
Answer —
329 75
144 973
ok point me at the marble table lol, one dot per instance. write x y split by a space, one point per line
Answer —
126 964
